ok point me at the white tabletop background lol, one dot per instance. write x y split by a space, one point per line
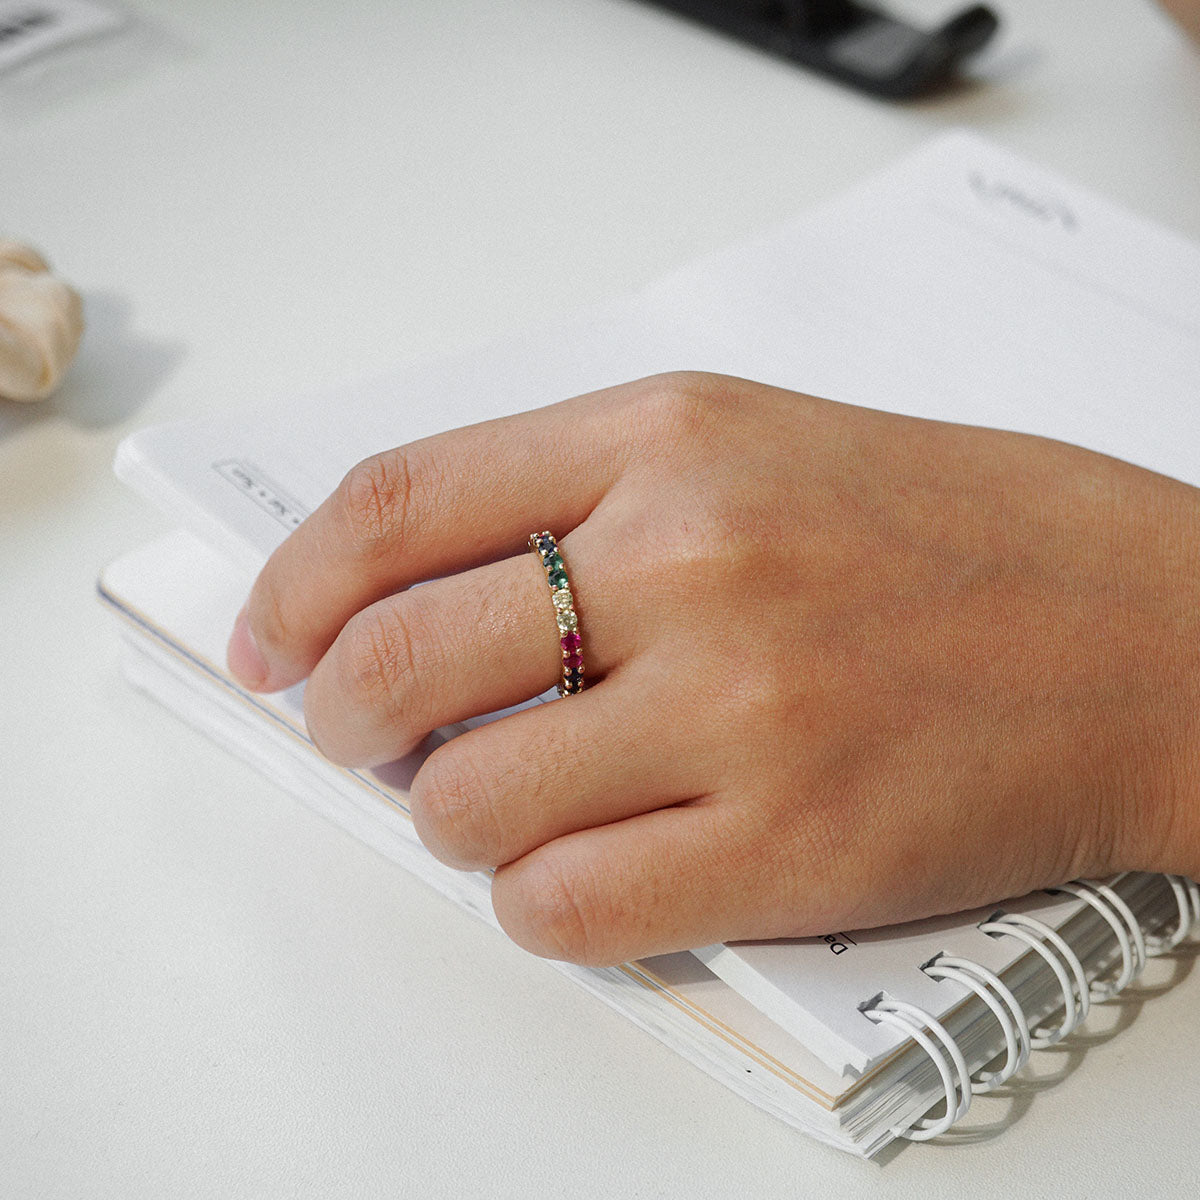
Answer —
204 989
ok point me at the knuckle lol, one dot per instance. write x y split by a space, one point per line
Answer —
685 417
684 401
379 666
391 660
377 502
551 911
454 812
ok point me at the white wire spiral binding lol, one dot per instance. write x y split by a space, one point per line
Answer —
1058 955
913 1021
1118 924
1071 1017
1188 914
1008 1013
1136 933
1048 1037
1193 891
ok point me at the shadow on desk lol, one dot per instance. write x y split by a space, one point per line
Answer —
116 371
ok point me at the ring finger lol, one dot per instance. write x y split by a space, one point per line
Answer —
451 649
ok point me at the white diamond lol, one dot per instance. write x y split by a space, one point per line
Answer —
562 598
567 621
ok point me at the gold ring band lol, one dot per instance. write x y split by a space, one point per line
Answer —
571 641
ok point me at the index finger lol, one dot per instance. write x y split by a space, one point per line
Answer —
444 503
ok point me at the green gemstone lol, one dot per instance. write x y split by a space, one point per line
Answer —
553 562
558 578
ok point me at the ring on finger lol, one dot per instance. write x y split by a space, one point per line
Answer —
570 639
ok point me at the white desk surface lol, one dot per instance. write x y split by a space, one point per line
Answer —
204 989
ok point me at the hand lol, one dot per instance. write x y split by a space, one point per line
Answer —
845 668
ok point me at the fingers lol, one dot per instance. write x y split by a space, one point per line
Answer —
500 791
438 505
683 876
451 649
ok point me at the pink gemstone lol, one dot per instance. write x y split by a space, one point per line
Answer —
571 642
573 662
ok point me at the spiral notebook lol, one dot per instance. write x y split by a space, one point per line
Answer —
924 291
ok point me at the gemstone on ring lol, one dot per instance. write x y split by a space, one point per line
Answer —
546 548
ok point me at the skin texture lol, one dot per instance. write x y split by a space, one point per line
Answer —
845 668
1187 13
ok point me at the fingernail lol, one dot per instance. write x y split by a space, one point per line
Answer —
245 659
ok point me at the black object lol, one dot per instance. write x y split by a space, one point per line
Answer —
852 42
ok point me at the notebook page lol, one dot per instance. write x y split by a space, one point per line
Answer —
962 284
966 284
